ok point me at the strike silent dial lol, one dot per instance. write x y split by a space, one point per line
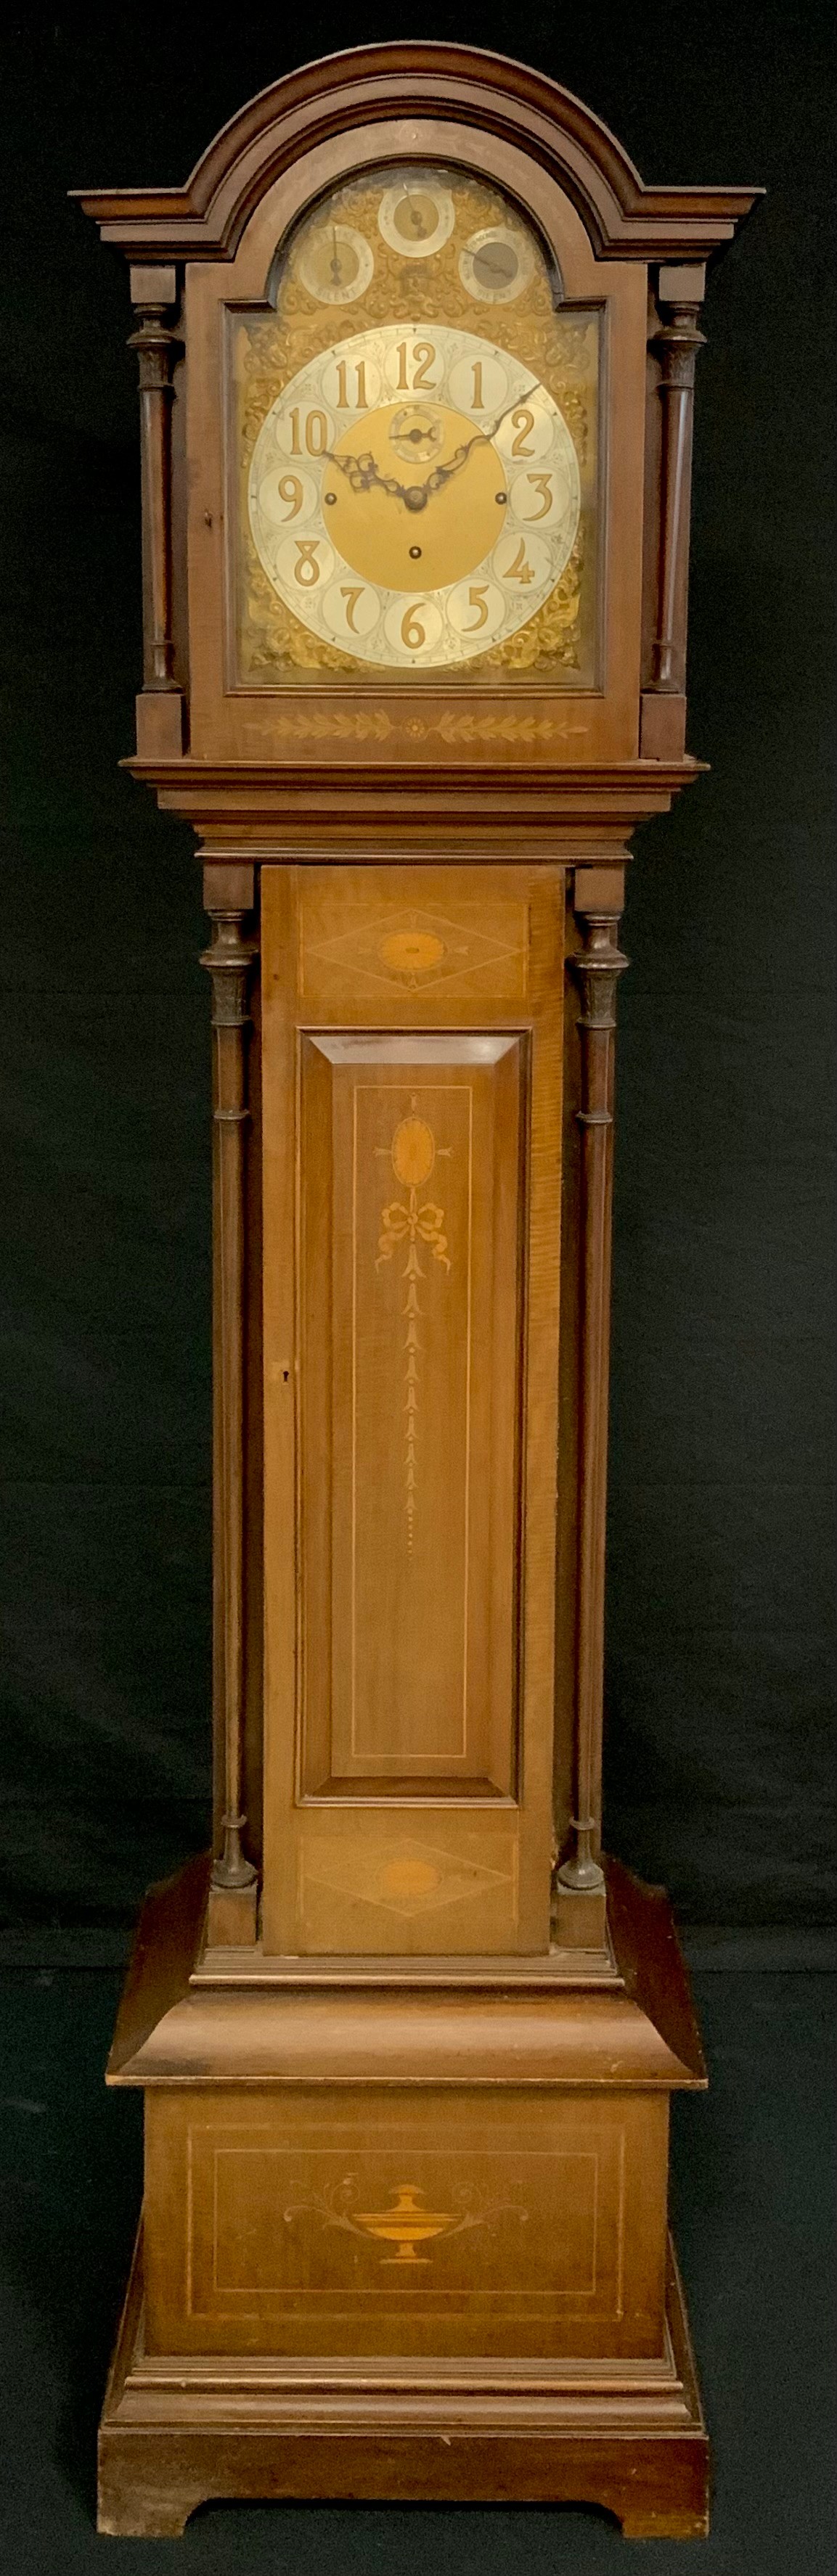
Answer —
415 218
335 264
495 264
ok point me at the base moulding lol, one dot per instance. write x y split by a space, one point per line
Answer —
179 2431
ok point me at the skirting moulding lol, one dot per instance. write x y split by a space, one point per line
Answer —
416 352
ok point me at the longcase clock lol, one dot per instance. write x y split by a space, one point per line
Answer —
416 353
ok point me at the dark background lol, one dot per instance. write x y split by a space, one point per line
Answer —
718 1757
719 1765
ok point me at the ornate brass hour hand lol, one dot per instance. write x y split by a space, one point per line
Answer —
362 474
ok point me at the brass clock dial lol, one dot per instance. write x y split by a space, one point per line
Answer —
415 445
414 495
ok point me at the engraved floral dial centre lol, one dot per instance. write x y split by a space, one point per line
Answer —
461 518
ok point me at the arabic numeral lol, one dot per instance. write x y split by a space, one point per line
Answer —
413 634
315 433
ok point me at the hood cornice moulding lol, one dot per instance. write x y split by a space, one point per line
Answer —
377 83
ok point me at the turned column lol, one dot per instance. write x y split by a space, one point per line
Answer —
674 342
153 294
676 345
228 897
597 966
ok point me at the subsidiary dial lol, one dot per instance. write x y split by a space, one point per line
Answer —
495 264
335 264
416 219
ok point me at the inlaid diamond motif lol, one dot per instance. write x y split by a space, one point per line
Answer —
405 1876
418 950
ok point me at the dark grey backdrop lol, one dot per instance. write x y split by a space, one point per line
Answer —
719 1671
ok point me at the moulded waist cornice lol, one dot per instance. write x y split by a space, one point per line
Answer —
319 812
605 777
175 2030
434 2039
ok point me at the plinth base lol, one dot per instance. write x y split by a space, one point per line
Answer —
184 2430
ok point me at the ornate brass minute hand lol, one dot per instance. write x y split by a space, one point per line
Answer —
362 473
442 473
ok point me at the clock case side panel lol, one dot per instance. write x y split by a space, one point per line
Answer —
369 722
459 1820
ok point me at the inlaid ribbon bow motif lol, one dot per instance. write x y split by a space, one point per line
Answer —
413 1154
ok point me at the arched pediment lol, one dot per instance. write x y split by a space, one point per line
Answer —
624 219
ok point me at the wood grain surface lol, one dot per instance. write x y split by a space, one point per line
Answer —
407 2150
411 1253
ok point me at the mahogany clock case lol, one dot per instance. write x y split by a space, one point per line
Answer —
405 2219
719 1459
414 621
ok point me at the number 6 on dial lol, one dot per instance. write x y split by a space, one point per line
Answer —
413 627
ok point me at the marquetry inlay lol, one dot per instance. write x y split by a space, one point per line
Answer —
304 2209
419 949
412 1236
412 952
405 1876
406 2223
410 1223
